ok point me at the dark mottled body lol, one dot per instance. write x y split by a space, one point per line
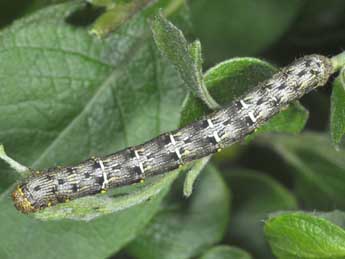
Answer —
170 150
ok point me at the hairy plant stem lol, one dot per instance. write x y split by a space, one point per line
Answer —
12 163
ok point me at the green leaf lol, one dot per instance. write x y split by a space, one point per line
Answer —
337 217
184 228
186 58
255 196
25 237
299 235
228 252
230 28
319 168
337 126
195 52
193 174
65 96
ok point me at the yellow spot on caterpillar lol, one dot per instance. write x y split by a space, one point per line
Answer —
103 191
284 108
186 152
20 191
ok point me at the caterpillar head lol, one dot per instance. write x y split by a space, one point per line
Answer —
21 202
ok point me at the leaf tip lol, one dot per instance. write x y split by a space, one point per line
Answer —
187 192
157 23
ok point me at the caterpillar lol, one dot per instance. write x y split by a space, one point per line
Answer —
173 149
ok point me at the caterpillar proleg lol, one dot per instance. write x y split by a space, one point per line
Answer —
170 150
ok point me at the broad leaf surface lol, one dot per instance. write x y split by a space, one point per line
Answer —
66 95
303 236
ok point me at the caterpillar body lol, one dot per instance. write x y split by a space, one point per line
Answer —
170 150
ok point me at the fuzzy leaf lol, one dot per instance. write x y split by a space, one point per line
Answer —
299 235
193 174
338 110
186 58
65 96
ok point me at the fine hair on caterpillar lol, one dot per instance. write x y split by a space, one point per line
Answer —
170 150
